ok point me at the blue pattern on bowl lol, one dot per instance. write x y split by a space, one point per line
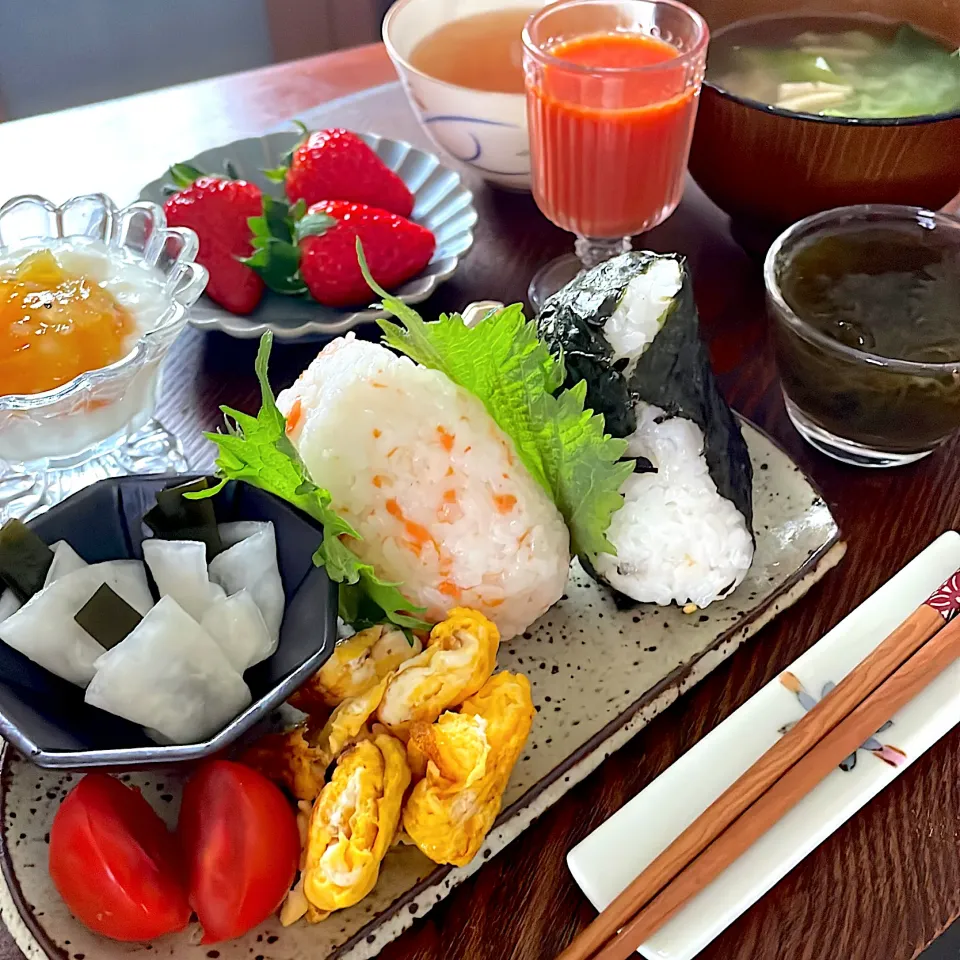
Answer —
478 147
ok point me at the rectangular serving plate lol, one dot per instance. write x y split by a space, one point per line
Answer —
605 862
599 675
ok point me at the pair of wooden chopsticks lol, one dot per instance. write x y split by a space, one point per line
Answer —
895 672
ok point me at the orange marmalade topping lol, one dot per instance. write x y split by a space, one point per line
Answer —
55 325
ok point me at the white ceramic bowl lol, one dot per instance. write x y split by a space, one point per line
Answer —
486 131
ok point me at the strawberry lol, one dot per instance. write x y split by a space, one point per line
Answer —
338 165
396 249
217 210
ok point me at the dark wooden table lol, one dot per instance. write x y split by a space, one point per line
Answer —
884 885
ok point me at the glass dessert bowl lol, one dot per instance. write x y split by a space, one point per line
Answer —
91 299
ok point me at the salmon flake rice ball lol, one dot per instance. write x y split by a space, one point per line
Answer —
430 482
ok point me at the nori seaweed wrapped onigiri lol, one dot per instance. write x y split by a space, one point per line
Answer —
630 329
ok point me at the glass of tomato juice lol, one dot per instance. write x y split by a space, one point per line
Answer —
612 91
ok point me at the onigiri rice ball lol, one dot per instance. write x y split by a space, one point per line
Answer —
433 486
677 540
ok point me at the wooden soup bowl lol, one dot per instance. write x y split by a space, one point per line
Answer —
768 168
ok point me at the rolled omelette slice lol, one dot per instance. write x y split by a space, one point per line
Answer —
459 658
353 824
357 663
469 760
298 759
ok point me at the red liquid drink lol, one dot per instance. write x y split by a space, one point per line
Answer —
612 91
610 171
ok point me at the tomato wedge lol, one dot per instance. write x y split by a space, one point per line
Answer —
115 864
239 837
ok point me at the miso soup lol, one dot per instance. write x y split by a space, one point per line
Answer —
837 66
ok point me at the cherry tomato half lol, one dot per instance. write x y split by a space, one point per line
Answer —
115 864
239 837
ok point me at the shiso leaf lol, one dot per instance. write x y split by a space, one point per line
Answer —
504 363
257 450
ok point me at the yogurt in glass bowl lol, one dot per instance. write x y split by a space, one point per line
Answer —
91 299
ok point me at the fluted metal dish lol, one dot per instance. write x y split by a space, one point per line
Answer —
441 202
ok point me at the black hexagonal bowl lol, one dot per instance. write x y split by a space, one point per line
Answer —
46 718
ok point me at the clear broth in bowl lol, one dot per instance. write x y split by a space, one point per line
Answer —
852 65
482 52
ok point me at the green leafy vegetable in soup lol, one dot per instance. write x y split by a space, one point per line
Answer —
837 66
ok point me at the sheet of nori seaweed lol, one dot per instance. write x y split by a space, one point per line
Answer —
176 518
107 617
673 373
24 559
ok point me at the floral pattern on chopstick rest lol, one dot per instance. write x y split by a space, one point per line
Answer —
946 598
613 855
885 752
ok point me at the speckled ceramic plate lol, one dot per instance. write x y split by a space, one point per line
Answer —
441 202
598 674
